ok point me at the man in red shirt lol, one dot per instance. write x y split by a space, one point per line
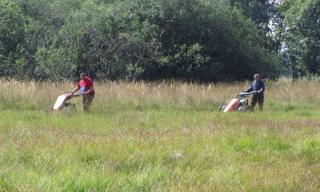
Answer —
85 86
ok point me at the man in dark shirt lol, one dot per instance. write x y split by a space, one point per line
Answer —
259 87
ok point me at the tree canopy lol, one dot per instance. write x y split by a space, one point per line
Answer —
301 33
189 40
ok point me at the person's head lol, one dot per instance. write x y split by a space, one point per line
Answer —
83 76
257 77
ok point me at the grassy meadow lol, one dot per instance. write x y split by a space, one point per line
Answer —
159 137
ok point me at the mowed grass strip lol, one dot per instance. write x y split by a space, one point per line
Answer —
159 137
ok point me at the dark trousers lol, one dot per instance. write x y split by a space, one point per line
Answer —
87 100
257 98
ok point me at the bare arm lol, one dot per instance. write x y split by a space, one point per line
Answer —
260 90
89 90
75 89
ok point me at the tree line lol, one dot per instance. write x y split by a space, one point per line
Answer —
188 40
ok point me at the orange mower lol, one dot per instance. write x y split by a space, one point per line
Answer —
240 103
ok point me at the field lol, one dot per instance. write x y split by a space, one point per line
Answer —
159 137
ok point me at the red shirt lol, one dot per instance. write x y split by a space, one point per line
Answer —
86 83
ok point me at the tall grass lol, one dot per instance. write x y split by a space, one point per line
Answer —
164 136
42 95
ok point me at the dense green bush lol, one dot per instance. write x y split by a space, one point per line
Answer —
191 40
12 38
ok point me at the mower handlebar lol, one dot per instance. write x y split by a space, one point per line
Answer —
244 94
76 95
70 95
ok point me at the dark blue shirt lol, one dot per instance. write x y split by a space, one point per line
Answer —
257 85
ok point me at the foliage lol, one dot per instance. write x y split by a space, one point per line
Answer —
302 34
190 40
260 11
12 38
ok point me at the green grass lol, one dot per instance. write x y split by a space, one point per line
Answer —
149 146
